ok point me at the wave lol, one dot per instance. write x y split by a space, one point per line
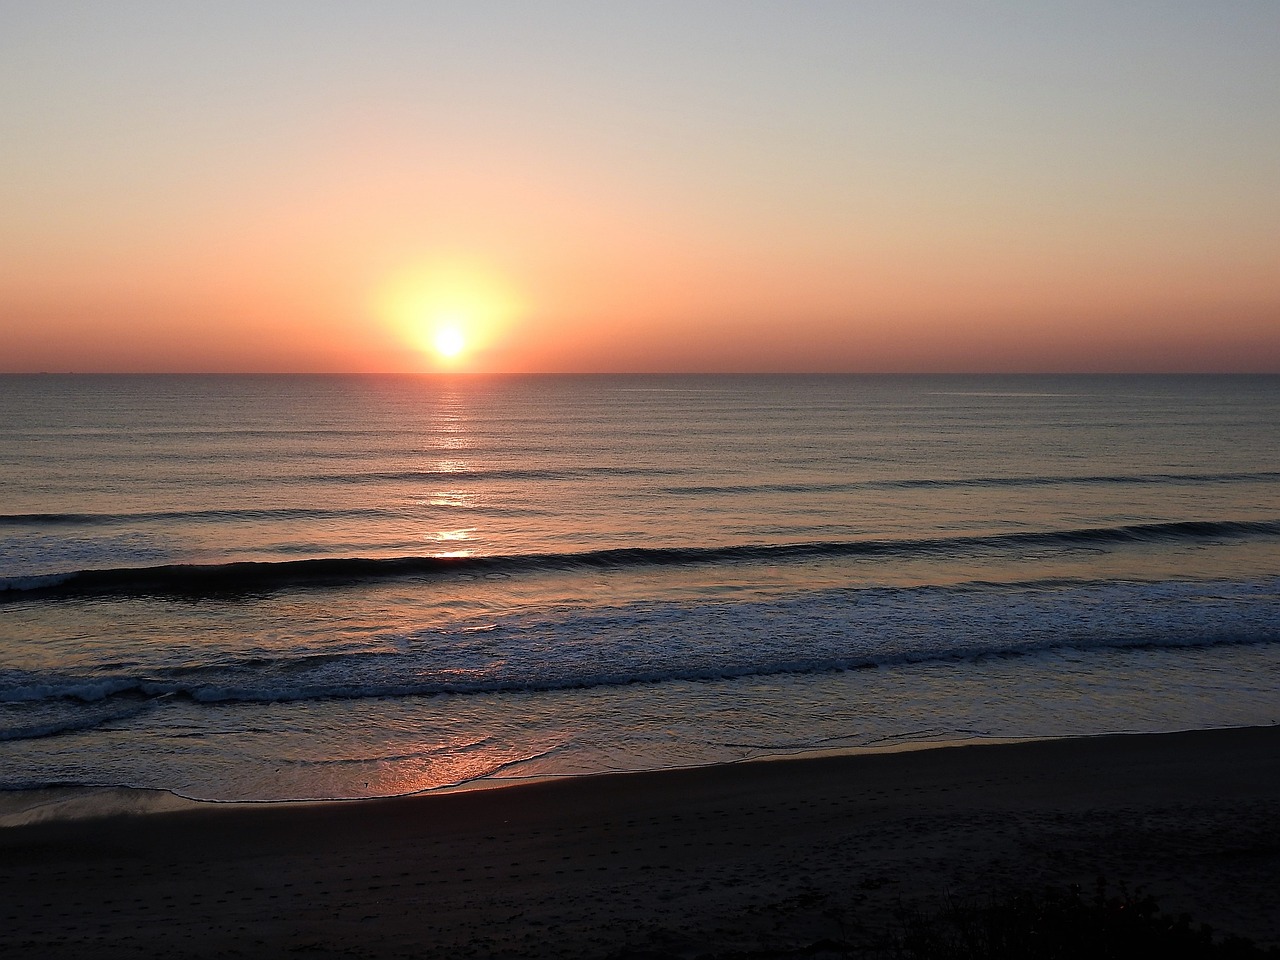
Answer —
826 631
76 720
90 519
917 483
214 515
139 693
470 476
832 628
454 477
251 577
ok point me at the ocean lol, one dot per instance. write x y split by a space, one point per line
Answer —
306 587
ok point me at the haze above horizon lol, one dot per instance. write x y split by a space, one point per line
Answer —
662 187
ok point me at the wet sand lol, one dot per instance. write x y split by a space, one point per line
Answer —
769 857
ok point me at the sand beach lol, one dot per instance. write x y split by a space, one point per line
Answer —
763 858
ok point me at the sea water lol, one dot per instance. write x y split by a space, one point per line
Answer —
257 588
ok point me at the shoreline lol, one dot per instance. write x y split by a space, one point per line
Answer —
53 804
758 855
24 807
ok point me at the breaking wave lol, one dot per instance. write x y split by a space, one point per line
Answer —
251 577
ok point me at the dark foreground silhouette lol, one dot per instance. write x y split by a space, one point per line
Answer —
970 852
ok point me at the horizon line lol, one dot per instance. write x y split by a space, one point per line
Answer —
639 373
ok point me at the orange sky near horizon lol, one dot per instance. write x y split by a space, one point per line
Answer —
818 188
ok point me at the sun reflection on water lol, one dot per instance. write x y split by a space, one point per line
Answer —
453 536
450 498
451 466
450 430
461 534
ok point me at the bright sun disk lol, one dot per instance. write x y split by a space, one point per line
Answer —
449 342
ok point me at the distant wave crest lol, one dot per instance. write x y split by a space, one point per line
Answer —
931 483
253 514
252 577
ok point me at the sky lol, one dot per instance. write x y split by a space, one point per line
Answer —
640 186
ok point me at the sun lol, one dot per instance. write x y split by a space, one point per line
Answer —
449 314
449 341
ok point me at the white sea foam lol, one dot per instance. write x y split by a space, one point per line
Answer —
36 582
647 643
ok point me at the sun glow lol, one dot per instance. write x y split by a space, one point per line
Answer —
449 341
448 312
